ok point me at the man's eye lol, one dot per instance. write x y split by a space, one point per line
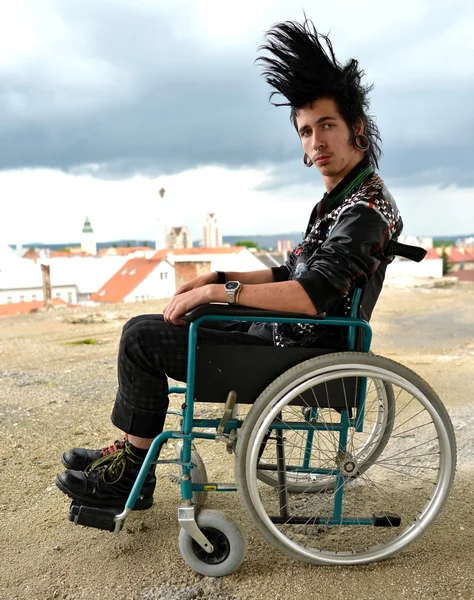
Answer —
328 125
306 132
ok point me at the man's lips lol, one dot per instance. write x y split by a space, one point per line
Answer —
322 160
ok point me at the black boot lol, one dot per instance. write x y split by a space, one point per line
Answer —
78 459
107 482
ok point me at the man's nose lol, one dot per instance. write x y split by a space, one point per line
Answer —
317 142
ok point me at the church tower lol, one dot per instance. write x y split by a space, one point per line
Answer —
88 244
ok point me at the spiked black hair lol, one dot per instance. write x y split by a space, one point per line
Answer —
303 71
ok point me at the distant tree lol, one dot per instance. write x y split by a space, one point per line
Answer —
114 246
128 245
145 244
441 243
447 265
247 244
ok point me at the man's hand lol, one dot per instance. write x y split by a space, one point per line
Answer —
180 304
197 283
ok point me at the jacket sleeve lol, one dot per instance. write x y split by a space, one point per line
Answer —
348 255
282 273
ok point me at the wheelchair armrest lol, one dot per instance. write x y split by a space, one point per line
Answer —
240 311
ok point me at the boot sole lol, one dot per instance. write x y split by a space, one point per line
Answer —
140 504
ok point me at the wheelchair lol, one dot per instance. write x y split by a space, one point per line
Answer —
344 458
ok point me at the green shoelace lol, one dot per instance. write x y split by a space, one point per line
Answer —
112 467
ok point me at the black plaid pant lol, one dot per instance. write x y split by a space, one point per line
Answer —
150 350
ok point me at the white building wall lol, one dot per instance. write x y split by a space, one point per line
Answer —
66 293
242 261
407 268
88 243
160 283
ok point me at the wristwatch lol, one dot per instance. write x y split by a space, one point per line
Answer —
232 290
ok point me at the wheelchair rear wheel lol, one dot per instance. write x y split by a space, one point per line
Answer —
366 445
363 514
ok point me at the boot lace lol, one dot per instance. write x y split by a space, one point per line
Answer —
113 447
112 466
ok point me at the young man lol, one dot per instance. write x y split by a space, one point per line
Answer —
344 245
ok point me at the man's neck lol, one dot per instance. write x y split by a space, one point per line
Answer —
330 181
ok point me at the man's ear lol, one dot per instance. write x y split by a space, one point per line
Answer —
359 127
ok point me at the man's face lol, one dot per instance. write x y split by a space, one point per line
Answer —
325 138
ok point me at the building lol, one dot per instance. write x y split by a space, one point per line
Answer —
21 281
413 240
179 237
139 279
211 237
88 243
285 245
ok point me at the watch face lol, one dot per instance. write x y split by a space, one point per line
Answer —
231 285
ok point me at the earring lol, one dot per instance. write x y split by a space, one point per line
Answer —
307 161
361 142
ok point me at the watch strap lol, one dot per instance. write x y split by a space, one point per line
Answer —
220 276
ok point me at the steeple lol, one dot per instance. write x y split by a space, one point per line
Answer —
87 226
88 244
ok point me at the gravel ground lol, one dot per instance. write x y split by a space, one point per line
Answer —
56 393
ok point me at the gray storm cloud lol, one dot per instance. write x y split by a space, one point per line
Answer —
127 89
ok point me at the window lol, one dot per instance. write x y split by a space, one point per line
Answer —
58 294
22 298
9 299
69 297
33 296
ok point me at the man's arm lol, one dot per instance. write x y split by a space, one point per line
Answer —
285 296
250 277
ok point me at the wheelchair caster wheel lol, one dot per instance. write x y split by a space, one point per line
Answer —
226 538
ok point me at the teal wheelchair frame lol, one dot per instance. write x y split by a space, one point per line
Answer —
189 423
213 546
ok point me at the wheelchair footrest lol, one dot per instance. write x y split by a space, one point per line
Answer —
88 516
386 520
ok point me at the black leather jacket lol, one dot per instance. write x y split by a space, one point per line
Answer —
344 246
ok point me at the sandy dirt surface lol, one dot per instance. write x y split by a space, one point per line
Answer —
55 394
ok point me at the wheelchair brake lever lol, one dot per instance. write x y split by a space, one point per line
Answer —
229 440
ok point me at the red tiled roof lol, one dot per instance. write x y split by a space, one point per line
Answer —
23 308
432 253
126 279
462 254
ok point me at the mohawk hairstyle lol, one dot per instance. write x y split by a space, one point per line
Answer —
303 71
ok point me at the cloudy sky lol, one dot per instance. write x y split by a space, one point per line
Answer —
104 102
